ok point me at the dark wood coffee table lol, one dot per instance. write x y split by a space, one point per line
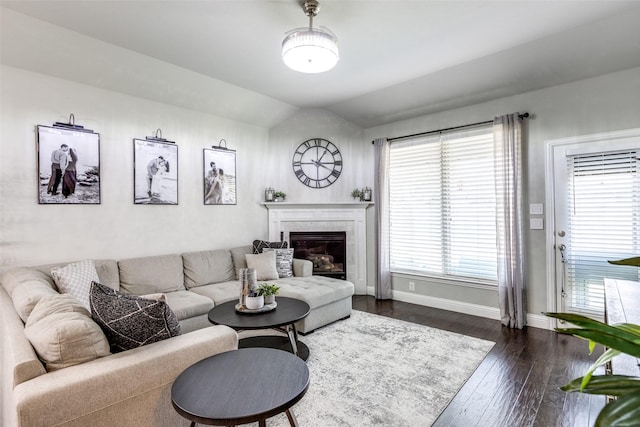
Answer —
241 386
288 311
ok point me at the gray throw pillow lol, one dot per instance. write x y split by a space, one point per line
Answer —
130 321
259 245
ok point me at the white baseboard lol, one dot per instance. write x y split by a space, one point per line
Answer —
533 320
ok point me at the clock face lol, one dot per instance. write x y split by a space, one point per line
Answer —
317 163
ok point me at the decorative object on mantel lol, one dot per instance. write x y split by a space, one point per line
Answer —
61 179
317 163
356 194
155 165
366 194
268 194
219 166
310 50
279 196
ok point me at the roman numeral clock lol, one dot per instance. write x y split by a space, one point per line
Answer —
317 163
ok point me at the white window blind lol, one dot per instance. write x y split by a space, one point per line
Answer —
442 205
604 205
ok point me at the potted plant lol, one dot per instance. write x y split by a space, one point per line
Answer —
279 196
620 338
254 301
269 292
356 194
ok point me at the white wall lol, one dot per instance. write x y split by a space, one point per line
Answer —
606 103
33 234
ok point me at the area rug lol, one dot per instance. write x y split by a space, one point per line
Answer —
371 370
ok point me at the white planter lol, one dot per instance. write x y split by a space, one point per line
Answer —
254 303
269 299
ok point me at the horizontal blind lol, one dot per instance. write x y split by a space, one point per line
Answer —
604 204
442 205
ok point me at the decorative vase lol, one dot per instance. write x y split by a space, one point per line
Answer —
269 299
254 303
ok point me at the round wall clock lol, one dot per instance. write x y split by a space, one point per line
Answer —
317 163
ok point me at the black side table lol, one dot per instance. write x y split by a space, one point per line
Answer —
241 386
288 311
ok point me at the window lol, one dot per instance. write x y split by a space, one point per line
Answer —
603 217
442 205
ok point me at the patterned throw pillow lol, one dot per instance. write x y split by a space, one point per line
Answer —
75 279
130 321
284 261
260 245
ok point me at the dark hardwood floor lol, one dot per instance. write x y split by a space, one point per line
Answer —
517 383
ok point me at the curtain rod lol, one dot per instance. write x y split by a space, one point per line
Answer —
522 116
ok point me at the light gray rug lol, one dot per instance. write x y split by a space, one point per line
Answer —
371 370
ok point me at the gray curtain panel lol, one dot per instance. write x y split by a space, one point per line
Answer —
507 136
381 200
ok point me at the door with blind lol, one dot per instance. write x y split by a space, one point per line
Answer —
596 190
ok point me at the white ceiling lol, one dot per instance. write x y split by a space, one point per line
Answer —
399 59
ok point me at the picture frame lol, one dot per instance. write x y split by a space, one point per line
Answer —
155 172
219 176
68 160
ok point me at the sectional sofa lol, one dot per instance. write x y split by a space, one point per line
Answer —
132 388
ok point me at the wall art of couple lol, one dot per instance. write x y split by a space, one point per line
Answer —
68 166
155 172
219 167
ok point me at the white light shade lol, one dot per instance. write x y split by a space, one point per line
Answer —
310 50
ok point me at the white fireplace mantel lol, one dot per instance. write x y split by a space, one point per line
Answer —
350 217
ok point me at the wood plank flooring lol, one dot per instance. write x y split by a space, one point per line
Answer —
517 383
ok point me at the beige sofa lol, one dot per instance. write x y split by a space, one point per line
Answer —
132 388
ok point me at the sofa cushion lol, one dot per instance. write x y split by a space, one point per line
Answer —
187 304
130 321
220 292
260 245
206 267
239 257
315 290
76 279
284 261
63 334
15 276
264 264
28 294
148 275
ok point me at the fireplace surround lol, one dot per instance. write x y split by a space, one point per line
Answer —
348 217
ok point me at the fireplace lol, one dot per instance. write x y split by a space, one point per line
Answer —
326 249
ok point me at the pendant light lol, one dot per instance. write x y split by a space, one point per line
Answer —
310 50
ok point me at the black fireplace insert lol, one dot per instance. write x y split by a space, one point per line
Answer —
326 249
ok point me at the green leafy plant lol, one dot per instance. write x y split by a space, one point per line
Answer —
280 195
267 289
618 339
356 194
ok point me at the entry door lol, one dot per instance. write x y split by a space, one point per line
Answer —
596 208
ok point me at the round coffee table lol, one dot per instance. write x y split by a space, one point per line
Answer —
240 386
283 317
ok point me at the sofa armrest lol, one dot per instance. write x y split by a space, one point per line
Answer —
302 267
90 392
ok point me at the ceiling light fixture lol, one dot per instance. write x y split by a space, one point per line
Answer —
310 50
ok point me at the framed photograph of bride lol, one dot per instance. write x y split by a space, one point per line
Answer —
219 166
155 176
68 165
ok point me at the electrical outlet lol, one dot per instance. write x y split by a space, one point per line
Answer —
412 286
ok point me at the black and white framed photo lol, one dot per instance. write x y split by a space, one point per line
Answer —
155 176
219 166
68 166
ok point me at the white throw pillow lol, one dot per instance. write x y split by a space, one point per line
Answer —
265 265
75 279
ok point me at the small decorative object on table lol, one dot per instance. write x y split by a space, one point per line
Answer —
254 301
279 196
269 292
